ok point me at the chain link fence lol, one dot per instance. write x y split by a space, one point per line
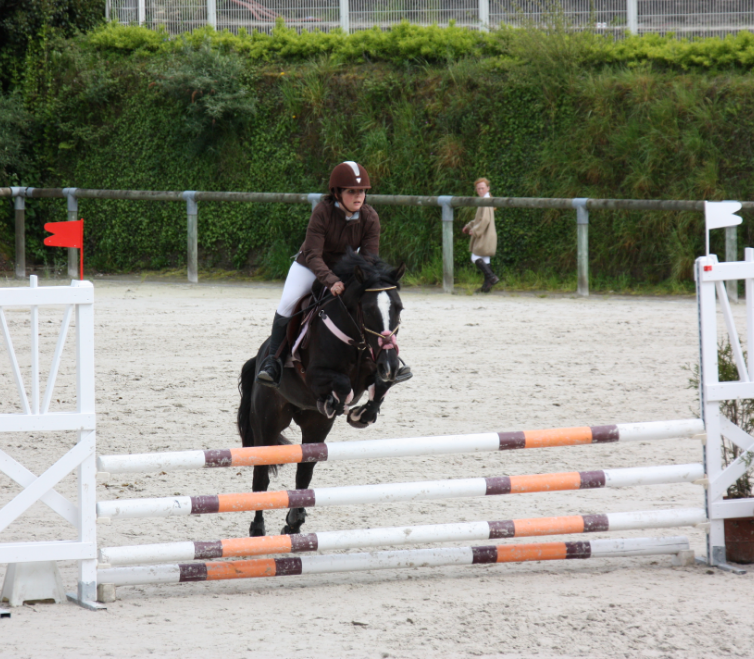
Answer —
685 18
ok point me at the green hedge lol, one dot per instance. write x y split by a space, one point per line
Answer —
426 110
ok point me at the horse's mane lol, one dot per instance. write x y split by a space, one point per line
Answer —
374 269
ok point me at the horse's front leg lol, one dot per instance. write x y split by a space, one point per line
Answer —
332 389
366 414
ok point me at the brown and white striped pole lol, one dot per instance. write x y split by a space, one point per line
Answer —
329 563
393 492
400 535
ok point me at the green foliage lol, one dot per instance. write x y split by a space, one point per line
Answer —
24 22
14 125
211 89
553 51
427 110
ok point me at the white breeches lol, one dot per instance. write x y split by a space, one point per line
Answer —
475 258
297 284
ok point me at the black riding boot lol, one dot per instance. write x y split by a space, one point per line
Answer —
490 278
271 369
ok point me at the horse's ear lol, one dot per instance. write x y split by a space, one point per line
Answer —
358 274
398 273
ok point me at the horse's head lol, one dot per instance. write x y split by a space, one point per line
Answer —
373 297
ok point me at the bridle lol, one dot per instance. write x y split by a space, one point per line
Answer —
385 340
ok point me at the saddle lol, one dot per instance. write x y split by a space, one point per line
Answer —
297 334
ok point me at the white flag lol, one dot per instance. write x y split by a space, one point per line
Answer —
719 214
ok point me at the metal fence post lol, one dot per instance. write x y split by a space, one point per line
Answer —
582 245
447 243
632 16
212 13
731 254
192 233
314 198
73 212
345 22
484 15
19 194
142 15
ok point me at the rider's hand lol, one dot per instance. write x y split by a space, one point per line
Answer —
465 229
337 288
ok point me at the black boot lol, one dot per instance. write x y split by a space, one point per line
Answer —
490 278
271 369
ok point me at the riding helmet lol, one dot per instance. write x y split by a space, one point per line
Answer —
349 174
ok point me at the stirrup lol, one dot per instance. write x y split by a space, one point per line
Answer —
270 373
404 373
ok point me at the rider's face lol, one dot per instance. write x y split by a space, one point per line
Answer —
352 199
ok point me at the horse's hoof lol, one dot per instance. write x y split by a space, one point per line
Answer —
257 530
361 417
289 530
330 407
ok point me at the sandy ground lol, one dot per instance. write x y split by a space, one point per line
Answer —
168 356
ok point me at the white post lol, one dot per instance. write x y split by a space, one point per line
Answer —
447 243
142 12
212 13
73 212
107 10
632 16
708 373
87 471
731 254
582 246
34 351
484 15
345 23
749 292
192 233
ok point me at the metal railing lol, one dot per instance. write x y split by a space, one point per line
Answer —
683 17
191 198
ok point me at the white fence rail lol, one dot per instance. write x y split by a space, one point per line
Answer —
77 301
685 18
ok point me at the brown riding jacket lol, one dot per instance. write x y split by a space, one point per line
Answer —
329 234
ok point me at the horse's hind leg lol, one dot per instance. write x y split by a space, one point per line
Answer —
314 429
259 483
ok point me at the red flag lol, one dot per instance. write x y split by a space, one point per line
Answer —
67 234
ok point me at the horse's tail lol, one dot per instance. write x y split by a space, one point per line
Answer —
245 428
245 386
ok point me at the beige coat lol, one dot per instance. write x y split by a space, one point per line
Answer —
482 230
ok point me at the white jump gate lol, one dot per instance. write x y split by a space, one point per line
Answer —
79 297
78 301
710 278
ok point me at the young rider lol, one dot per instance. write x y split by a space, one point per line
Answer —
339 221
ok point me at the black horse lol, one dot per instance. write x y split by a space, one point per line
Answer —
351 349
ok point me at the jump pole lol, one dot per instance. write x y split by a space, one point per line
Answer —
399 535
394 492
384 560
398 448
